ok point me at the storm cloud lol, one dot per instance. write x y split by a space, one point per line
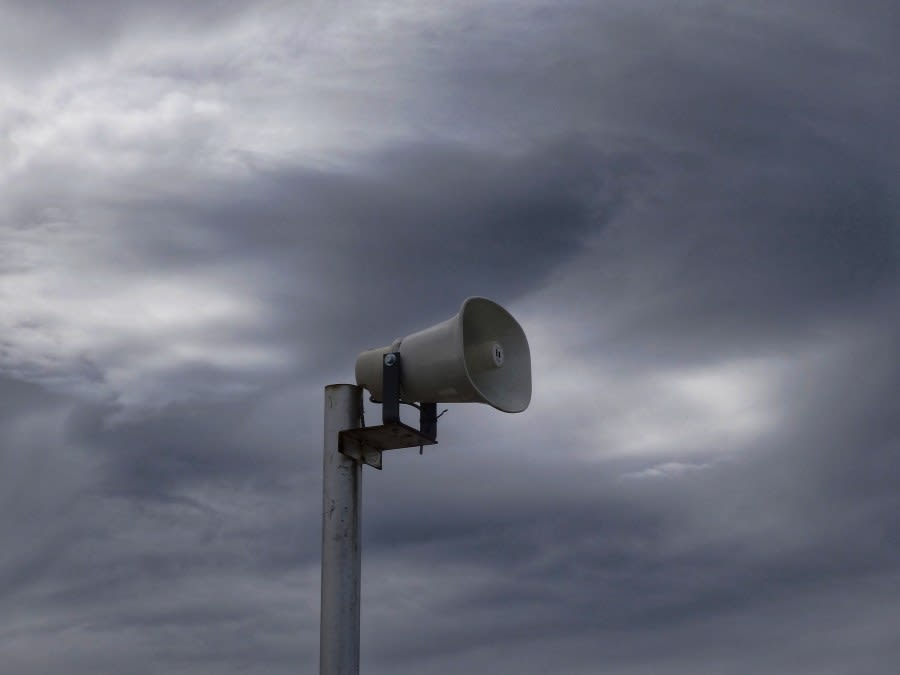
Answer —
691 207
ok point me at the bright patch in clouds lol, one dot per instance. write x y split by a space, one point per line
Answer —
681 412
278 85
721 405
76 318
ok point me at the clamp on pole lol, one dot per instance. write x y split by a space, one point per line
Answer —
367 443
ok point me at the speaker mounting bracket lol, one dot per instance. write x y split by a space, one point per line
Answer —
365 444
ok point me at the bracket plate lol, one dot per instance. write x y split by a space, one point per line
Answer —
367 443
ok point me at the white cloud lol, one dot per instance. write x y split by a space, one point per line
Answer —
666 470
308 84
608 409
80 318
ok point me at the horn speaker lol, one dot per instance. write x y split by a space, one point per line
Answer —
480 355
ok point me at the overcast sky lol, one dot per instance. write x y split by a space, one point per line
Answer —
207 209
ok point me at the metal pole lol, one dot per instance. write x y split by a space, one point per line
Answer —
341 485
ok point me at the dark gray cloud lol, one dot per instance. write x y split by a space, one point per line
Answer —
692 209
414 218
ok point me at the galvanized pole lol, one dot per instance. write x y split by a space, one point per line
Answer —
341 486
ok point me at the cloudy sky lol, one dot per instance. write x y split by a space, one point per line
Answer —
692 207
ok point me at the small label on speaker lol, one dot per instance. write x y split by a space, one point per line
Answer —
497 354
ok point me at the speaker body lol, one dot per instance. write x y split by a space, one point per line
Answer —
481 355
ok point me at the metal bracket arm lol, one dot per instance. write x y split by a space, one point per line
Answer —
366 444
